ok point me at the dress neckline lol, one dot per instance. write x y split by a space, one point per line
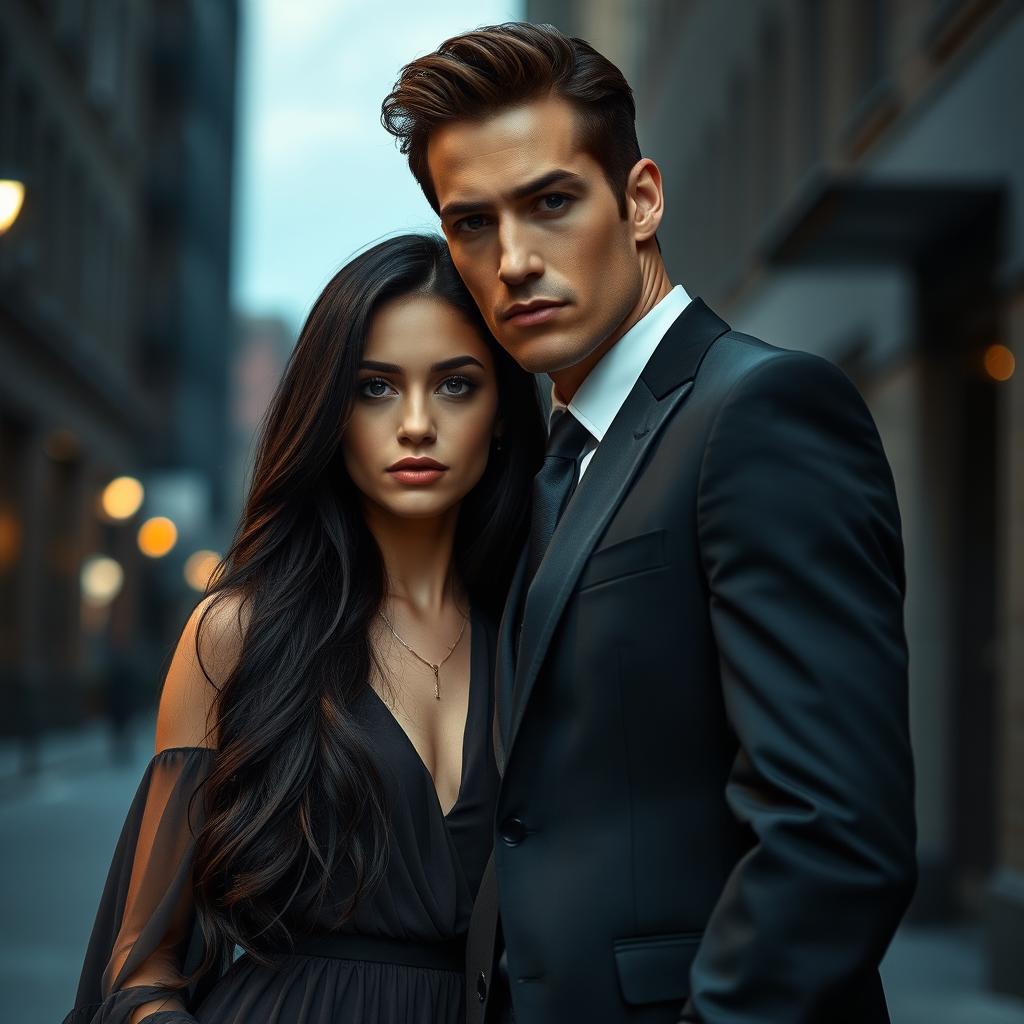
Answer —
474 649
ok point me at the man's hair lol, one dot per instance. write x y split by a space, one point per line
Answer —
477 74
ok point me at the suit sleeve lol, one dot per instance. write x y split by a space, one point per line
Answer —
799 535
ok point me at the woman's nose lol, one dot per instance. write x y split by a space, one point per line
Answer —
417 424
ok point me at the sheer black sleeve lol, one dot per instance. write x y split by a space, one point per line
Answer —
146 915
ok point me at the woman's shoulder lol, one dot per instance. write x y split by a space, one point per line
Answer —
207 651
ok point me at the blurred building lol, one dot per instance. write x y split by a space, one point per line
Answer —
114 331
263 345
847 177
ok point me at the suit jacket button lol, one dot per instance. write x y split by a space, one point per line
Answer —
513 831
481 986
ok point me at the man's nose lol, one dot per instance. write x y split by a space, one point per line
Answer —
519 257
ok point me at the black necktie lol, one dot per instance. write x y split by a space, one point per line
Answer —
554 483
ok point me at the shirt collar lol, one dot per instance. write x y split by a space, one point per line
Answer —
604 390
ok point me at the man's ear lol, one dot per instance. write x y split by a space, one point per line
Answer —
645 200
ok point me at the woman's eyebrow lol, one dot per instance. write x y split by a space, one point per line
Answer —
446 364
454 363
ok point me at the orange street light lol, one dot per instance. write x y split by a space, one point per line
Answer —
157 536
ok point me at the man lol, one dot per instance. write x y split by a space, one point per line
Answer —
706 809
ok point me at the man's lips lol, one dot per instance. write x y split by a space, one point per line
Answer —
526 314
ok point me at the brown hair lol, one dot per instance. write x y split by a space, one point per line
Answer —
500 66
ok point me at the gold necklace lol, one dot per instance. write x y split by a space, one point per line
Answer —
434 668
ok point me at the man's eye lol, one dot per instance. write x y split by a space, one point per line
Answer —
457 387
554 202
374 387
472 223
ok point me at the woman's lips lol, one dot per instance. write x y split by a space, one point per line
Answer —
417 476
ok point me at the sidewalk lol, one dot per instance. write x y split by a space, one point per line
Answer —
937 976
87 748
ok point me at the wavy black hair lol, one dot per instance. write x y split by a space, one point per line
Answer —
293 799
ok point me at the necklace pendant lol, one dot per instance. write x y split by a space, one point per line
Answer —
437 682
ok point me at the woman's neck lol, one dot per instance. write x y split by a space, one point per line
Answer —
417 557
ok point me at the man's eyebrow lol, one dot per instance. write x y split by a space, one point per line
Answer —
446 364
556 177
559 176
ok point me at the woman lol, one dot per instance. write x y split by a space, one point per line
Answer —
323 787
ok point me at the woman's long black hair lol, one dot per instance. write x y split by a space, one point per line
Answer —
293 797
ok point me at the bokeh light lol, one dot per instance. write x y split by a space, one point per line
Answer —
999 362
200 567
102 578
157 536
10 538
12 195
122 497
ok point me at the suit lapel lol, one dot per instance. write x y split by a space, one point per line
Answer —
664 384
505 661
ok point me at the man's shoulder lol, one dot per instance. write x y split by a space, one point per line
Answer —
737 358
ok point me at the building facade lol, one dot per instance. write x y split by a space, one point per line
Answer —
114 324
847 177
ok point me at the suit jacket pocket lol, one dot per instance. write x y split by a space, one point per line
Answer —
656 968
624 558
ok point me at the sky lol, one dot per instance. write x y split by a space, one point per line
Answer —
317 177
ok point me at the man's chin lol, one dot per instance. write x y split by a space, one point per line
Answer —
547 353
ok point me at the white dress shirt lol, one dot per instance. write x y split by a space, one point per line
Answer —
604 390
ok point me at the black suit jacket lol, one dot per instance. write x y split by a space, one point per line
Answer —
706 810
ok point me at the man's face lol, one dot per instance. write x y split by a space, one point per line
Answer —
535 231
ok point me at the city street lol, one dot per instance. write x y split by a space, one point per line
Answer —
57 834
58 830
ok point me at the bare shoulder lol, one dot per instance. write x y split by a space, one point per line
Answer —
207 650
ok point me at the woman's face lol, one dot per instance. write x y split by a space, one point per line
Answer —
424 411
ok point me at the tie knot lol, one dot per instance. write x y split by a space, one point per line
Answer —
567 437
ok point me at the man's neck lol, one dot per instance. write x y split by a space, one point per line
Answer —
655 286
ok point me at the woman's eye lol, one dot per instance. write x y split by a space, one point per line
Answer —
375 387
457 387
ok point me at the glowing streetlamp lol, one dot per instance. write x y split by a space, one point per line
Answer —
12 196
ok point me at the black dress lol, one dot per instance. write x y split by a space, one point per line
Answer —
435 862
